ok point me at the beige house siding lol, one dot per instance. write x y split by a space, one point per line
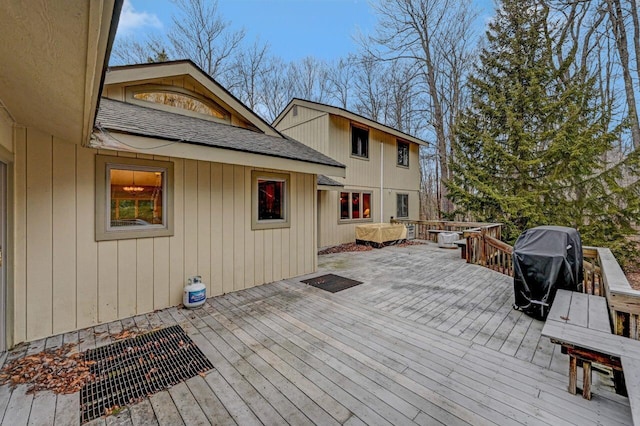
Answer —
6 130
65 280
331 135
304 115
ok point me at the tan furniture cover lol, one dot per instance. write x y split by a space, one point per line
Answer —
381 232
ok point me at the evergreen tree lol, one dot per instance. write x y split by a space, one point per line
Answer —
531 148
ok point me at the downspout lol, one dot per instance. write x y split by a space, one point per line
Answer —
381 182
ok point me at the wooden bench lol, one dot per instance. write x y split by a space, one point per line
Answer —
580 324
433 233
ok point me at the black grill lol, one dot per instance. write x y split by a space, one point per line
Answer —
132 369
332 283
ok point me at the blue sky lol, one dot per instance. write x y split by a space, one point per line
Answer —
294 29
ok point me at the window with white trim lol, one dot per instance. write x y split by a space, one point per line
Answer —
355 206
402 204
270 195
133 198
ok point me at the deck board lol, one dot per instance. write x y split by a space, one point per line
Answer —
426 339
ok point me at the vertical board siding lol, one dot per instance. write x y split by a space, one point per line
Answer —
39 233
228 220
64 236
144 275
65 280
20 240
127 276
176 243
86 247
204 224
216 229
239 225
107 281
161 273
249 236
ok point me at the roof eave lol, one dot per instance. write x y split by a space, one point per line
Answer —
341 112
146 145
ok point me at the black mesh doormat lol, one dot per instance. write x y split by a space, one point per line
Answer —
132 369
332 283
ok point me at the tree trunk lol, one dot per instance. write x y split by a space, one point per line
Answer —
619 31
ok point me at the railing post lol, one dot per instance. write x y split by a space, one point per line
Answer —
483 247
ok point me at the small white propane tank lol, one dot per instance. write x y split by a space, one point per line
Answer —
195 293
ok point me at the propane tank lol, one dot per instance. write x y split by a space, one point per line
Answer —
195 293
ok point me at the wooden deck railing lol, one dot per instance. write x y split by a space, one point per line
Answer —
602 276
623 301
424 226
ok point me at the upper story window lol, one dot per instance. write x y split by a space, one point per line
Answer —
359 142
403 154
176 99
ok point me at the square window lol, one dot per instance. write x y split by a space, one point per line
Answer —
270 194
402 201
133 198
403 154
359 142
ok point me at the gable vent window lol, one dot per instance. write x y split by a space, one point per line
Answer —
177 100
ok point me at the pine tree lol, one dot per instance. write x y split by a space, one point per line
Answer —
530 149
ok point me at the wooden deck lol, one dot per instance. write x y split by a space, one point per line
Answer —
427 339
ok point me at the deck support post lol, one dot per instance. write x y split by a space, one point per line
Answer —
573 374
586 380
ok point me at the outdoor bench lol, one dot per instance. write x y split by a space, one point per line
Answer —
462 244
579 322
433 233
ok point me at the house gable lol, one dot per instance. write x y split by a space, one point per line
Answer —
287 118
145 83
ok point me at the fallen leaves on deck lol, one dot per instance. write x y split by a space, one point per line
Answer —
343 248
57 370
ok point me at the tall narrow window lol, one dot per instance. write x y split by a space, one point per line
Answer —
134 198
403 154
270 199
344 206
402 205
366 205
270 193
359 142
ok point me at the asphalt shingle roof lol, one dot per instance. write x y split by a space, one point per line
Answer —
142 121
326 181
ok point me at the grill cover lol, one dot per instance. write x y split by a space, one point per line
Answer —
545 259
